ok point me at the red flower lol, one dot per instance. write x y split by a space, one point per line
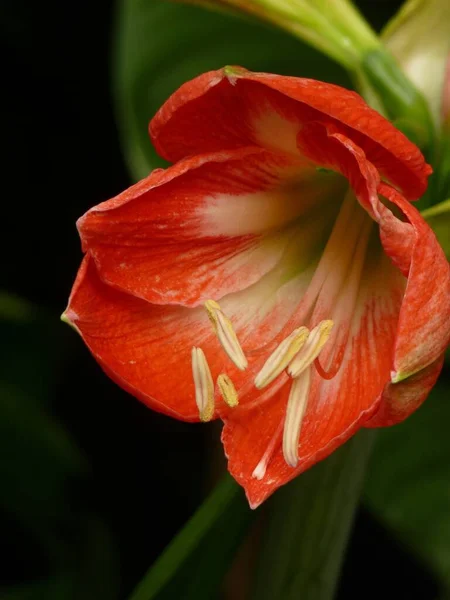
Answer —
287 205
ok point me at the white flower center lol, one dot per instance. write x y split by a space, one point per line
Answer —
322 319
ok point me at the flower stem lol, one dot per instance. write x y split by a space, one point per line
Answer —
309 525
197 559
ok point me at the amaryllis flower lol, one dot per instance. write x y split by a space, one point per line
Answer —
276 276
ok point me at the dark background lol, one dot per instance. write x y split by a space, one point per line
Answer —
135 476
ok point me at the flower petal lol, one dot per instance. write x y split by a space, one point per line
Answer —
245 108
424 324
206 227
402 399
143 347
337 407
146 348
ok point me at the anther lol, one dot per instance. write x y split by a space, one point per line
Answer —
281 357
311 350
226 334
296 407
204 385
228 391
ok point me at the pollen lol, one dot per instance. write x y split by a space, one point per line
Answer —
204 385
281 357
311 349
227 390
226 335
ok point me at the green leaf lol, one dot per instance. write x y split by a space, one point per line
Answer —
160 45
438 218
199 556
408 482
310 521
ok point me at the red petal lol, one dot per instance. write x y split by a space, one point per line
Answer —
143 347
206 227
401 399
243 108
337 407
146 348
424 325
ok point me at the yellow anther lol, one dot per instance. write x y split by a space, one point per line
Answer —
226 334
228 391
281 357
204 385
311 350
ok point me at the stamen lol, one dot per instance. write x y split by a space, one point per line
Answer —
204 385
310 351
226 334
281 357
296 406
261 468
228 391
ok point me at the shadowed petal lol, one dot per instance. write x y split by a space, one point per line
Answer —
205 227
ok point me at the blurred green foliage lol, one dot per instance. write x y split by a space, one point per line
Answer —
438 217
199 557
408 483
43 474
160 45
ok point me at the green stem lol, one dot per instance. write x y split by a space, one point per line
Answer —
309 525
401 100
199 556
